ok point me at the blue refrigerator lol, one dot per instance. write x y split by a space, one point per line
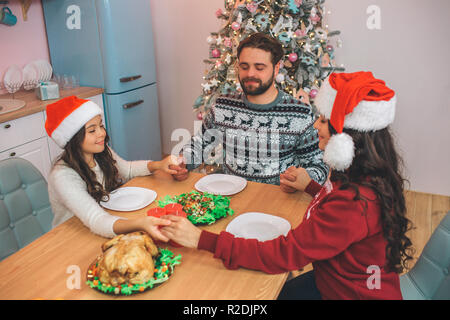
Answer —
109 44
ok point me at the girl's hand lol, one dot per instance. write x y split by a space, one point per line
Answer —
302 178
148 224
169 164
152 225
182 231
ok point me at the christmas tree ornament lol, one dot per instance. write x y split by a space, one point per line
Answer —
227 42
252 6
215 53
211 40
280 78
293 57
235 26
313 93
321 34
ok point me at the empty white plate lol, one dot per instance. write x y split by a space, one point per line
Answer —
45 69
13 78
222 184
256 225
30 76
129 199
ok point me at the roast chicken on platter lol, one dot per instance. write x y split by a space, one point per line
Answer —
127 258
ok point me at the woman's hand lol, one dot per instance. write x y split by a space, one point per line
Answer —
148 224
301 181
182 231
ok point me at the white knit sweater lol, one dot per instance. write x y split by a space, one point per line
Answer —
68 194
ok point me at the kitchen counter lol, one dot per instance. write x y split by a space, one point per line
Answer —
34 104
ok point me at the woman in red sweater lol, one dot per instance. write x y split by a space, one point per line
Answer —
353 232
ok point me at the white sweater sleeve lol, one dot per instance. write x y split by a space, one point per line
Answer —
71 191
130 169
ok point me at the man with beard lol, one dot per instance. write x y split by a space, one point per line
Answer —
261 132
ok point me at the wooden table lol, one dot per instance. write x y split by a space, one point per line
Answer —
50 267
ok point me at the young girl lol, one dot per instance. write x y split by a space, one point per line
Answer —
353 231
88 170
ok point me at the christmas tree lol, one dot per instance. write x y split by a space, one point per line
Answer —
297 24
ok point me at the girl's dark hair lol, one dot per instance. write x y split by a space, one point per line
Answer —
73 157
377 165
264 42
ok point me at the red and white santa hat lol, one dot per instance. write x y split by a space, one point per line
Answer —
67 116
355 101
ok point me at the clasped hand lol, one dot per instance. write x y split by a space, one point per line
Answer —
294 179
172 165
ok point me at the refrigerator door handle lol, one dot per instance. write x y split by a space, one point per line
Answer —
132 78
132 104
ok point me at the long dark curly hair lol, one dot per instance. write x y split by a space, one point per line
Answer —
73 157
377 165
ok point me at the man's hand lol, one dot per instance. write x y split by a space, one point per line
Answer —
182 172
301 181
289 176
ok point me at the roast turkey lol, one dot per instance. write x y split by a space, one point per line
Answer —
127 258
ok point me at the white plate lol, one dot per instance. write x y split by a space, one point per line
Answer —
129 199
256 225
40 71
45 69
222 184
13 78
30 76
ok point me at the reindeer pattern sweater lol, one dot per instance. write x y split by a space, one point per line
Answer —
258 142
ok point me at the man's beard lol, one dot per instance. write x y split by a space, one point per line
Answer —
258 90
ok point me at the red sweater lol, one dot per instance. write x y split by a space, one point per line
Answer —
335 235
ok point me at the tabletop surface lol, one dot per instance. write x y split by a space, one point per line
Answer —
54 266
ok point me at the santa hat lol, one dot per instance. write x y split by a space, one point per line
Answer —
355 101
67 116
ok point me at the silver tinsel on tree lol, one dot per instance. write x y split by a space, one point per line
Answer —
297 24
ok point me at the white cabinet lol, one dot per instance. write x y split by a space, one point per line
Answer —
35 151
22 130
26 138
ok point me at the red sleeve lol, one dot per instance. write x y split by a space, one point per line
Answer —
336 224
208 241
313 188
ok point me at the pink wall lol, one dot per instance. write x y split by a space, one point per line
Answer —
24 42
